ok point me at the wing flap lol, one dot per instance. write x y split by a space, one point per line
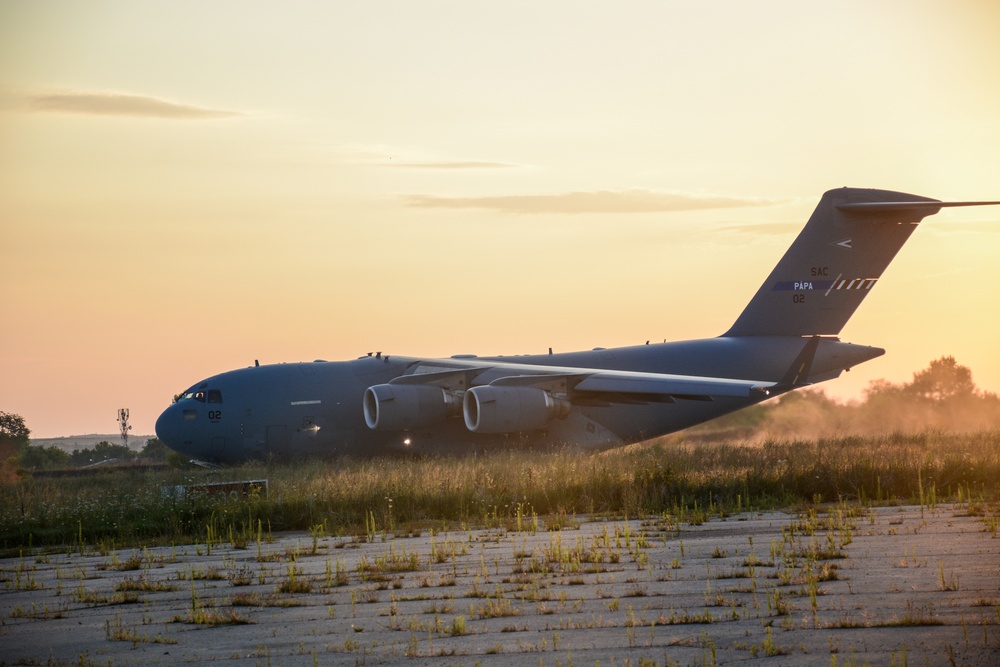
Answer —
634 387
675 386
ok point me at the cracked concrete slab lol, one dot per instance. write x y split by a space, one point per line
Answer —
833 585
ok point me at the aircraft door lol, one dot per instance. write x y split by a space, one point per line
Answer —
252 441
276 436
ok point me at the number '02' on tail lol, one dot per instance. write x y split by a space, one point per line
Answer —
836 260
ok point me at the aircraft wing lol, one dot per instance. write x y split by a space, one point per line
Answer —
499 396
583 383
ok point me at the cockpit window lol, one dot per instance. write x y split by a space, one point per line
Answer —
198 394
214 396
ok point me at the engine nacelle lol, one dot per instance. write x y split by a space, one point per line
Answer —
493 409
398 407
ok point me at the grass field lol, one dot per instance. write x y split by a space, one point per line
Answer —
541 489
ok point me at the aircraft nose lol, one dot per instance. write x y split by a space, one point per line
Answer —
170 428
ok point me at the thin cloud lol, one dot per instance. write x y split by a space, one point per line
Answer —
600 201
120 104
447 164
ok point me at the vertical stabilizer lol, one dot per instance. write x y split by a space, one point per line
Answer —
836 260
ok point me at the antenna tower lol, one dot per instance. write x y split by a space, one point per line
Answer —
124 425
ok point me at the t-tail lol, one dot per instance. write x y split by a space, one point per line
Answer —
836 260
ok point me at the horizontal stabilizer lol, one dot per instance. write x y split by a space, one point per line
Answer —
925 207
903 211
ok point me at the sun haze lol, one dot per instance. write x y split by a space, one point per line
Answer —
186 187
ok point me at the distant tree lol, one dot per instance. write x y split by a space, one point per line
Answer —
945 379
941 396
14 435
81 457
178 460
882 388
154 450
44 457
102 451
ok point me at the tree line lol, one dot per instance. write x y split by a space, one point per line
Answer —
50 457
16 450
941 397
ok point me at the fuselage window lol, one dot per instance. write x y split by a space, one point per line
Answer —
214 396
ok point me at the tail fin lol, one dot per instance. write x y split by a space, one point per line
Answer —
837 258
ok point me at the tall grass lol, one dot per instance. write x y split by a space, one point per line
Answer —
350 496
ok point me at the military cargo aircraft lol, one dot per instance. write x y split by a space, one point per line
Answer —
785 338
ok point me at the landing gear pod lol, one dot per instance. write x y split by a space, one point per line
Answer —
492 409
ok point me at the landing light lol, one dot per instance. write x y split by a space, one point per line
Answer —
407 442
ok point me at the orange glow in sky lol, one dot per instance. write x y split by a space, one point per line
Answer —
186 187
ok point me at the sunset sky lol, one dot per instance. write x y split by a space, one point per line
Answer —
188 186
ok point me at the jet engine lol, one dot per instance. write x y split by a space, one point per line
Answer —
396 407
496 409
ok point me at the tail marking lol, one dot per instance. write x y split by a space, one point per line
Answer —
828 285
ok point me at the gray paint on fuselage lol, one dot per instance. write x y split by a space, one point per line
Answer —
274 410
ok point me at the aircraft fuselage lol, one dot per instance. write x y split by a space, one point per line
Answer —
315 408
